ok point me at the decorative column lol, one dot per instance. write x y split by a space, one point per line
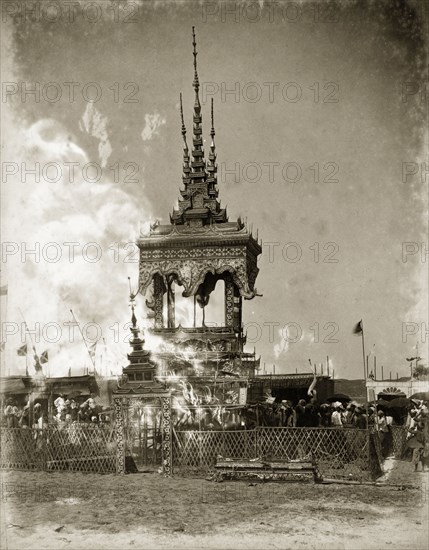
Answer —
167 455
171 319
158 296
237 309
119 430
229 301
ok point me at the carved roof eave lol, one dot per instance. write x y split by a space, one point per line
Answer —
190 287
222 331
189 241
174 235
141 391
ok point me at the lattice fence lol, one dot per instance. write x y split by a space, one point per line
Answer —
77 448
199 449
345 453
399 440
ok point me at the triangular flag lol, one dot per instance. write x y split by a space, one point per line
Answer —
358 328
22 350
91 349
3 290
44 357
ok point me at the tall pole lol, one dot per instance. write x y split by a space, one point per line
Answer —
364 380
4 343
84 341
363 350
27 331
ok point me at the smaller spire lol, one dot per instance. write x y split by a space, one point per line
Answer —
182 119
211 165
196 82
212 131
186 167
135 342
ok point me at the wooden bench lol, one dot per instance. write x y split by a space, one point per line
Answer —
266 470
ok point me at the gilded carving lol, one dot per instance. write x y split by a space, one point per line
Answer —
191 267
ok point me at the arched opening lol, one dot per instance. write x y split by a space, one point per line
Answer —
189 313
215 309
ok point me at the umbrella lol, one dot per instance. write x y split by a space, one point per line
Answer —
338 397
399 402
382 403
422 396
392 394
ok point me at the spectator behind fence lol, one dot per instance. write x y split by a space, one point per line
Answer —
300 413
361 419
325 415
73 408
336 418
383 431
12 414
59 403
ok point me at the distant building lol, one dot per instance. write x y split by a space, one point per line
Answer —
289 387
402 387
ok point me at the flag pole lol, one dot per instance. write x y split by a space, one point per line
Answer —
85 342
364 372
36 357
363 351
4 349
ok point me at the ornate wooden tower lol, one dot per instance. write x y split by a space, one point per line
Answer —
199 248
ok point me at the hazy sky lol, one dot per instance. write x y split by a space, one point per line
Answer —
325 129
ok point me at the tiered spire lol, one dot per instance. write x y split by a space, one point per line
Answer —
198 164
198 205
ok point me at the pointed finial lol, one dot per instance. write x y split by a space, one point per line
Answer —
194 43
132 304
212 131
181 117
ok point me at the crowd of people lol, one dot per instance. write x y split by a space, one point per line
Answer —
313 415
414 419
418 436
305 414
66 411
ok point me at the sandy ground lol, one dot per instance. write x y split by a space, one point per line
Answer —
80 511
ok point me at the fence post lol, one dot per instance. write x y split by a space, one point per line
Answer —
119 432
256 442
44 449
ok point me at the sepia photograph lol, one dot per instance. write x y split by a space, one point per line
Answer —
214 275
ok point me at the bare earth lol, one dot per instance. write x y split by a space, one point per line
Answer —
80 511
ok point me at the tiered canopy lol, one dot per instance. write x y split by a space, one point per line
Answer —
200 246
